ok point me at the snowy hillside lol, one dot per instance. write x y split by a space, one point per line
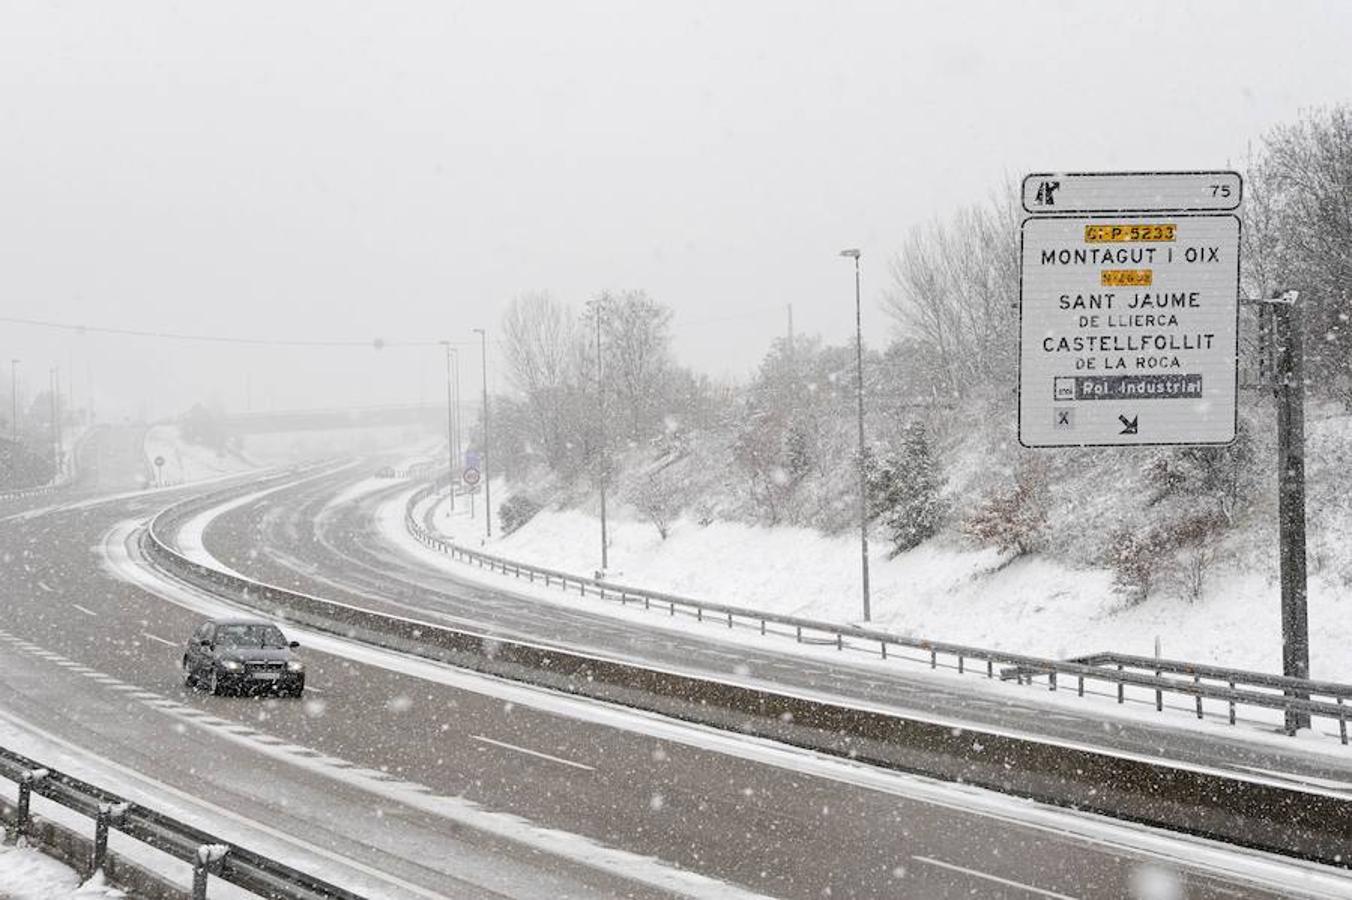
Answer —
1060 599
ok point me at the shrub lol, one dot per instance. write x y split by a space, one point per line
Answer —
1180 552
1014 520
516 511
658 497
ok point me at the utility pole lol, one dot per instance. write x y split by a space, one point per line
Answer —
488 489
859 384
601 430
1290 395
450 427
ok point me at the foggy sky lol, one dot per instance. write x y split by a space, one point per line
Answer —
349 171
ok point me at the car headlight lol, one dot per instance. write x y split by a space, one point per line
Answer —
231 665
295 665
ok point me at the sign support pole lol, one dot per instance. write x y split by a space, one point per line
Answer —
1290 395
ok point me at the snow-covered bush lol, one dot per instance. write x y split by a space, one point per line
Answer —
516 511
1178 553
658 497
1015 519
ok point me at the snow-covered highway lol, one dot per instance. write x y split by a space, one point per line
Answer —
425 773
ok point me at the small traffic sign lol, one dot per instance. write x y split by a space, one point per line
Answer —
159 461
471 477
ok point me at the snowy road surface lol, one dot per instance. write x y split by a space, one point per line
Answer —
295 538
418 780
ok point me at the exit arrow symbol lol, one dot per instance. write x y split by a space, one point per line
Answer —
1128 425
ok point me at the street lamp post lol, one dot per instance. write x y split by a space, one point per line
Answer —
488 488
859 384
450 425
601 429
14 391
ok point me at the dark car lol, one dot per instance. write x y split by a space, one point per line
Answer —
242 656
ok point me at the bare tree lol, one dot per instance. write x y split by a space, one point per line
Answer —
541 345
1305 183
637 344
954 288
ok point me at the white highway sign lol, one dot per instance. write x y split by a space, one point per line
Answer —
1107 192
1128 330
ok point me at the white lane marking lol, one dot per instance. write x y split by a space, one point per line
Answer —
577 848
209 812
1186 851
160 639
313 690
977 873
506 746
87 612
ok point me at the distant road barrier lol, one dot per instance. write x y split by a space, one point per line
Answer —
1295 693
206 853
1307 823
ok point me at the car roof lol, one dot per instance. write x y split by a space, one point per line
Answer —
239 621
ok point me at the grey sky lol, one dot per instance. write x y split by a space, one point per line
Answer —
348 170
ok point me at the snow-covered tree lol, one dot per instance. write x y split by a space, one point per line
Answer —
905 488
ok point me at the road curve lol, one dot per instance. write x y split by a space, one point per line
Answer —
296 538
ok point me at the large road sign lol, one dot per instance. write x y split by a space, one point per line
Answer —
1128 323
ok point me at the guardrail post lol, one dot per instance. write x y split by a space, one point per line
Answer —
1197 680
26 782
207 856
1080 689
961 664
882 644
108 813
840 641
729 619
934 658
1051 681
1232 704
1121 688
990 668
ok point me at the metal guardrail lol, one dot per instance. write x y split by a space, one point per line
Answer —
1289 819
1296 693
27 492
205 852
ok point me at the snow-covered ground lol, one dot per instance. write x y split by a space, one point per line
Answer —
941 590
28 874
187 462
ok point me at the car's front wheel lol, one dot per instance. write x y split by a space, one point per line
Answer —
214 683
189 680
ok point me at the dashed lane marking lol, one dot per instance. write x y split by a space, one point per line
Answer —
529 752
578 848
986 876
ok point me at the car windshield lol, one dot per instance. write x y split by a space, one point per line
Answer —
268 637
